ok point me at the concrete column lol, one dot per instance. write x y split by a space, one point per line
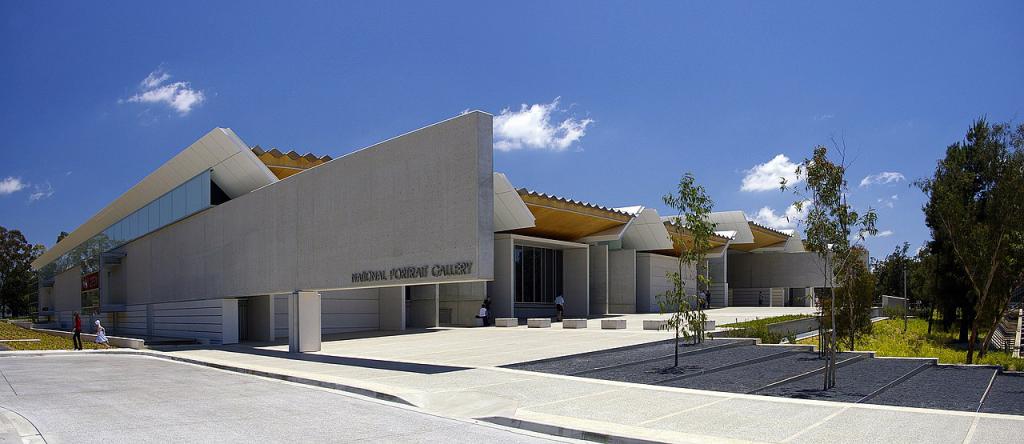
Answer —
229 321
576 281
261 318
304 322
598 280
502 289
422 307
392 308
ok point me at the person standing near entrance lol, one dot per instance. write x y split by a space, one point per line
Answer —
559 307
76 339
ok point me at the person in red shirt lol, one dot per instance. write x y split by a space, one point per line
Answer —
77 337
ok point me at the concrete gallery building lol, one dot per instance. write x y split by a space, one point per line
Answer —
227 242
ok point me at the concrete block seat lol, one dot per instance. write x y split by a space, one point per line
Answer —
506 322
655 324
574 323
538 322
613 324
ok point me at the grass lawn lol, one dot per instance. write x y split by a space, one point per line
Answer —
46 341
764 321
888 339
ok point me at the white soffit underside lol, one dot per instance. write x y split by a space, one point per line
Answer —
647 233
733 221
510 212
236 170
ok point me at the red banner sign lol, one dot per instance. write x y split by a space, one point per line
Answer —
91 281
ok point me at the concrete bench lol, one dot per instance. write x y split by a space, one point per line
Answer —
613 324
655 324
709 325
506 322
538 322
574 323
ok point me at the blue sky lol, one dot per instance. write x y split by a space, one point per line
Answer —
646 92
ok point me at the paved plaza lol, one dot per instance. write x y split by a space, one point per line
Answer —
454 381
133 399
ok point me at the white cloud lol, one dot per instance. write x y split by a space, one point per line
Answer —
11 185
787 221
882 178
768 175
884 233
178 95
532 127
40 192
889 201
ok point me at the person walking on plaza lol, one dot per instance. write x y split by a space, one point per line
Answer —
101 335
76 339
559 307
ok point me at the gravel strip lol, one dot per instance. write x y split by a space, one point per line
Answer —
653 372
853 381
588 361
947 387
749 377
1007 395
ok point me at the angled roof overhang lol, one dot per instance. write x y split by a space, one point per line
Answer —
510 212
287 164
569 220
763 238
646 232
235 169
681 238
733 221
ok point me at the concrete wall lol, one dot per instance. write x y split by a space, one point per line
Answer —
762 270
622 281
598 279
749 297
420 199
652 281
67 290
576 281
461 302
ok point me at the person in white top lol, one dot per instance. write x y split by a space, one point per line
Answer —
559 307
101 335
483 314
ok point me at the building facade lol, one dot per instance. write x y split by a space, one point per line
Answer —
227 243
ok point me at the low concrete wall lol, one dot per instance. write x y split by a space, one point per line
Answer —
137 344
794 327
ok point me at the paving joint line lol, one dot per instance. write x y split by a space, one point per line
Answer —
658 358
728 366
686 410
808 374
895 382
817 424
984 395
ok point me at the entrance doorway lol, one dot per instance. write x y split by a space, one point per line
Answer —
243 319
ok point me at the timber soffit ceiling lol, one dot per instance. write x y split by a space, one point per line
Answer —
236 170
565 219
286 164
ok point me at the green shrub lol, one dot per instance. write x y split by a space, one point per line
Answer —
759 331
893 312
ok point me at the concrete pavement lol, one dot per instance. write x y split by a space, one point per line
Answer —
472 387
106 397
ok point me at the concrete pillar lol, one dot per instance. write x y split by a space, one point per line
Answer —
422 306
576 281
598 280
229 321
261 318
392 308
304 322
502 289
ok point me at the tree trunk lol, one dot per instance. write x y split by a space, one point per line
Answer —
988 337
676 365
970 343
965 324
931 313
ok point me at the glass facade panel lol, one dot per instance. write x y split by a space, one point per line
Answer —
163 211
538 274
